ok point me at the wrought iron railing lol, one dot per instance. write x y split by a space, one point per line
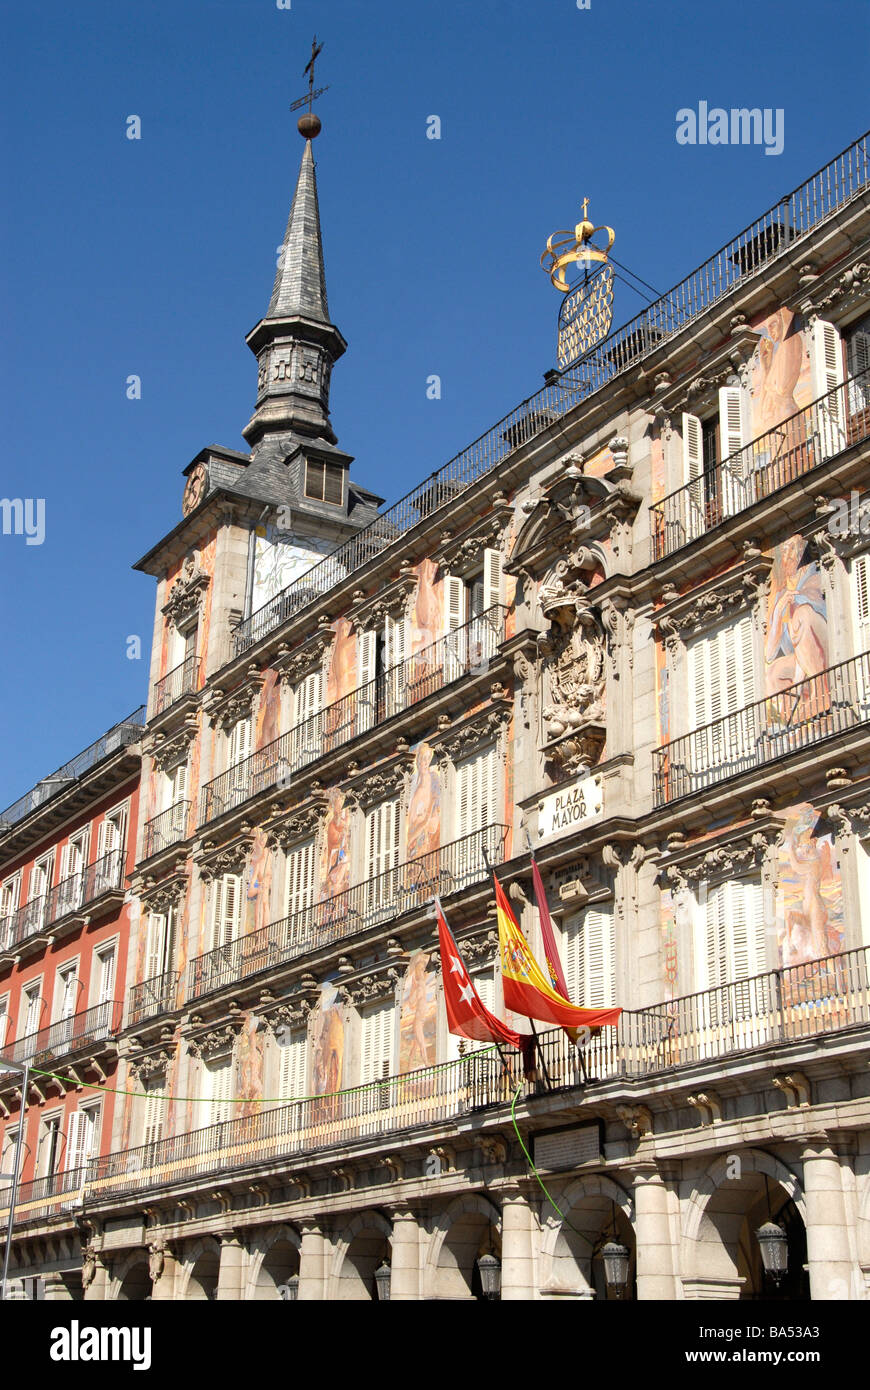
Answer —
66 896
70 895
806 439
181 680
793 217
389 895
79 1030
128 731
48 1196
800 1002
166 829
157 995
467 650
105 875
832 702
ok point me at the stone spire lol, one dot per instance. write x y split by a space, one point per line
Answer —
296 344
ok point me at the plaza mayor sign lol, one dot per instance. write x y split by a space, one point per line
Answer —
570 806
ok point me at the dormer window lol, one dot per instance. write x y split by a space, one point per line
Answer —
324 482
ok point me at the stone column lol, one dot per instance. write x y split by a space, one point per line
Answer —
652 1235
828 1254
231 1278
164 1269
517 1264
313 1270
405 1257
55 1288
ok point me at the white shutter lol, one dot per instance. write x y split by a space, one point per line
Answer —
861 597
367 652
454 618
734 947
858 363
383 825
491 578
477 791
291 1067
395 652
730 421
4 1020
300 877
177 784
218 1083
154 1112
721 671
81 1137
227 909
110 834
589 958
309 696
32 1010
693 451
239 743
67 981
155 945
377 1042
827 374
485 986
107 976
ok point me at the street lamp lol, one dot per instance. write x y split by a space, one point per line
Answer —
383 1276
773 1243
290 1291
616 1266
489 1269
15 1175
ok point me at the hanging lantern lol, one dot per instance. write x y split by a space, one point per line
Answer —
489 1269
616 1266
290 1291
773 1243
383 1275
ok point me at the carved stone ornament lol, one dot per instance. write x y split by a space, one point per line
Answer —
150 1064
683 615
455 743
371 987
286 829
187 593
686 863
390 602
849 819
708 1106
215 1041
295 664
457 555
167 751
157 1252
378 785
232 859
89 1265
225 710
162 896
480 950
573 654
637 1119
826 299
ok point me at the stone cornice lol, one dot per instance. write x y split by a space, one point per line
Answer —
286 827
833 294
159 895
210 1041
455 740
682 615
389 602
387 779
686 862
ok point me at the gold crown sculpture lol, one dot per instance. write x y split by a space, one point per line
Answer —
565 249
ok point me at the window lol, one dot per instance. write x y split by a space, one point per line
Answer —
721 681
857 343
827 368
377 1042
731 948
292 1076
4 1019
299 878
226 909
81 1143
382 828
9 895
238 743
860 576
159 943
110 844
217 1090
7 1160
466 601
589 956
105 973
175 791
391 657
485 986
50 1144
31 1000
74 855
324 482
40 877
67 992
307 704
153 1113
476 782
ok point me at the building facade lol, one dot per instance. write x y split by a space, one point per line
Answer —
66 851
628 629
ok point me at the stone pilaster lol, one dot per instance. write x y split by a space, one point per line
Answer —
652 1233
231 1277
405 1257
313 1262
517 1263
828 1254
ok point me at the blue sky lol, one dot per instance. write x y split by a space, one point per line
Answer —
156 256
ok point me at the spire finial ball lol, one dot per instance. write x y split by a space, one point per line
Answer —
309 126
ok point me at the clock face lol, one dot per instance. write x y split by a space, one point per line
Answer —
195 488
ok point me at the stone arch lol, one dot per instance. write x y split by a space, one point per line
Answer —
716 1207
568 1246
359 1249
457 1223
131 1278
272 1262
200 1270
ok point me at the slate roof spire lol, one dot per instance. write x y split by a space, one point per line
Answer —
300 284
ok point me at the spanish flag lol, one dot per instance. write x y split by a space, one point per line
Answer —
527 990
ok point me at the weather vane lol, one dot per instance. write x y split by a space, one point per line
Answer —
309 124
586 314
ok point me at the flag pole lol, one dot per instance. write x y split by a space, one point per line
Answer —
538 1049
436 903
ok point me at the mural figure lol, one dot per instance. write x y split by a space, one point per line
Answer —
780 358
327 1043
269 711
797 624
257 894
810 925
340 681
424 806
335 855
419 1006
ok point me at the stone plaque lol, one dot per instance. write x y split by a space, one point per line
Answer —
570 806
568 1148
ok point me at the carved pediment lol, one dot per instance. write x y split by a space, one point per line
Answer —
187 593
213 1042
169 750
286 828
380 782
150 1064
830 296
683 615
226 708
575 514
457 741
459 553
372 987
685 863
389 602
160 896
229 859
294 664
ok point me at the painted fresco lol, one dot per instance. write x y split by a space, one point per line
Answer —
327 1043
341 672
259 885
598 464
427 610
779 373
658 472
267 725
281 559
424 805
249 1051
335 853
418 1016
796 646
670 959
809 900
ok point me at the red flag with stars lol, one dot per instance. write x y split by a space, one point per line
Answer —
467 1015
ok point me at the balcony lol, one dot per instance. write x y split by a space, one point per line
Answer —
65 901
181 680
152 997
819 432
790 1006
80 1032
385 898
170 827
466 651
834 702
810 205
